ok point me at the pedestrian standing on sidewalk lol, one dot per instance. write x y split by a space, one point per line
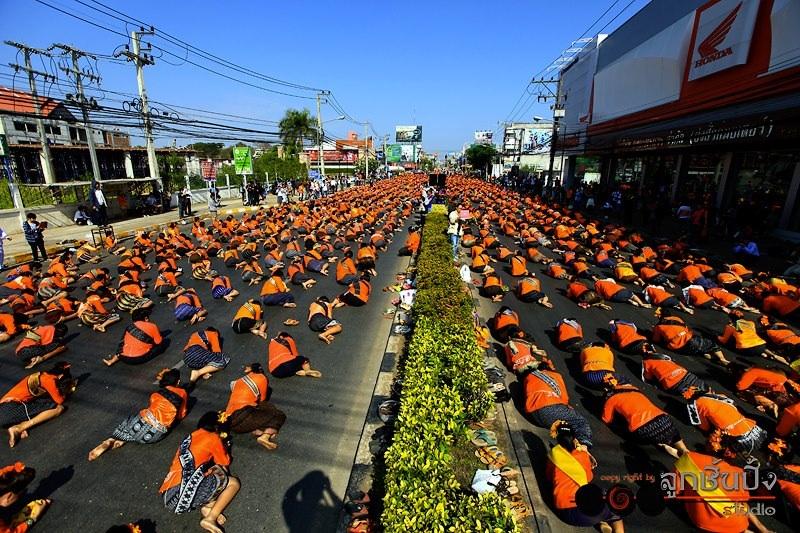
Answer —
212 203
100 204
3 237
34 236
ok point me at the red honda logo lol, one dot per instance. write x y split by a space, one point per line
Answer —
708 48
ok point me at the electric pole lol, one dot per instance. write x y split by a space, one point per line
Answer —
44 156
320 96
366 151
83 103
141 60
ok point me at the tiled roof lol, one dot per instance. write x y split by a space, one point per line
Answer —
12 101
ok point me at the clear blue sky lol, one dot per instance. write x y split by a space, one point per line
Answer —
453 67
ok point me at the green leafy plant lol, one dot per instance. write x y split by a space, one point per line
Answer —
444 386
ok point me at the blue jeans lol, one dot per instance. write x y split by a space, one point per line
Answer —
454 239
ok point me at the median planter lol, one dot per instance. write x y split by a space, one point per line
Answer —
444 387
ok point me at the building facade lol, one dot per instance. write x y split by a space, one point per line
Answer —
695 101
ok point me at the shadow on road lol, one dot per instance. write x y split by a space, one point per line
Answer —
53 481
311 505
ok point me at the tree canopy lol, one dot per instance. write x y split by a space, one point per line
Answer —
295 127
480 155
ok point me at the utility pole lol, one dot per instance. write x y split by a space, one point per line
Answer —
320 96
44 156
558 112
75 71
141 60
366 151
385 156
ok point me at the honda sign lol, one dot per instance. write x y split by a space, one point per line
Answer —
723 36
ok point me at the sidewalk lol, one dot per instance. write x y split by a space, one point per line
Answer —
57 239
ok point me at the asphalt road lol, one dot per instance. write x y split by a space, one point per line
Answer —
616 455
297 488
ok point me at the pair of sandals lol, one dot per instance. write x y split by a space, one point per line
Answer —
491 456
483 437
519 508
506 488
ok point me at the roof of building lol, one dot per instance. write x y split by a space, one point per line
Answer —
14 101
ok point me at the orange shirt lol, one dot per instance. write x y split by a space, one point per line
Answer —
163 410
761 378
717 414
623 334
791 491
273 285
503 320
46 335
595 358
702 514
789 420
518 266
666 372
249 310
528 285
281 351
780 305
133 347
744 334
7 323
345 267
21 392
567 329
672 332
539 393
607 288
575 290
206 446
633 406
564 488
249 390
213 343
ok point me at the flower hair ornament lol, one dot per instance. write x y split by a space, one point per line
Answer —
16 467
778 447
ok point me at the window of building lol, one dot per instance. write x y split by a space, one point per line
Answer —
77 134
29 127
52 130
762 187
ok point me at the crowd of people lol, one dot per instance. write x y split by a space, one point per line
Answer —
515 241
277 251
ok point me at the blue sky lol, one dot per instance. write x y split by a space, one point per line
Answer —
453 67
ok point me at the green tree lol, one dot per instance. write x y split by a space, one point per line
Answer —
295 127
480 155
286 168
172 169
206 150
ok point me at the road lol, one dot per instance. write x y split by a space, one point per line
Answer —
616 455
297 488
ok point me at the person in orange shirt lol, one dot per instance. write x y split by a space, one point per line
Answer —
189 307
612 291
569 335
780 336
501 323
412 243
141 342
11 324
284 360
492 287
14 479
659 297
625 336
769 389
646 422
203 354
742 335
569 467
249 317
714 511
41 343
717 415
199 476
518 266
346 272
667 374
554 270
788 474
597 361
547 401
275 292
34 400
673 333
167 407
249 410
221 288
788 421
529 289
781 305
357 293
729 301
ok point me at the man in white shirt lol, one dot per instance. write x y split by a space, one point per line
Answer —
101 205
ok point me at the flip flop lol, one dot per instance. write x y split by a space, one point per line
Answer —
484 441
291 322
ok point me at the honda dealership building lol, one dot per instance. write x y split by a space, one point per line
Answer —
693 101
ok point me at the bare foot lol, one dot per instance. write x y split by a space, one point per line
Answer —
290 304
310 373
265 441
99 450
34 361
210 525
15 436
204 510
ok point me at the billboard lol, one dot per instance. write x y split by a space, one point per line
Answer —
484 136
408 134
208 170
409 153
394 153
334 156
242 160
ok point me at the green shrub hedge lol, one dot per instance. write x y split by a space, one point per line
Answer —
444 386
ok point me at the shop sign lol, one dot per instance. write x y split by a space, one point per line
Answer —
723 37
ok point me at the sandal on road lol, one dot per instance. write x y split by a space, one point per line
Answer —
291 322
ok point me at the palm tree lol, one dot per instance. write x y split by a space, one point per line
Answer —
295 127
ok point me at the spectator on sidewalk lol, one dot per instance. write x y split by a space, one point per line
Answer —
99 200
34 236
3 237
82 217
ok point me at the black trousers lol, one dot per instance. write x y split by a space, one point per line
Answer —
36 247
102 215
